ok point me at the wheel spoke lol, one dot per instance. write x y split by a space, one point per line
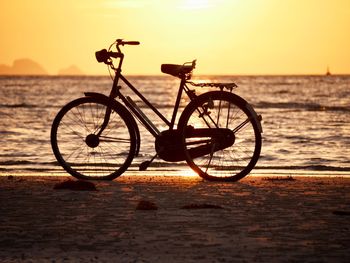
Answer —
108 156
211 157
240 126
221 161
111 139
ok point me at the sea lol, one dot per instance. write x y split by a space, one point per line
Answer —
306 120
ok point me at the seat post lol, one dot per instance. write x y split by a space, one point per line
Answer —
177 102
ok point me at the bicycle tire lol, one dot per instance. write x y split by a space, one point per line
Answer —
220 160
82 159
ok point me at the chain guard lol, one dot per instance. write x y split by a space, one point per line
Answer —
169 144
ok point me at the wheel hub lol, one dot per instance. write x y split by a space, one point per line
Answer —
92 140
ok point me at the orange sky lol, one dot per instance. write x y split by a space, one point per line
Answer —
225 36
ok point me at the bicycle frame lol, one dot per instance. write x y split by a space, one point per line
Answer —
116 93
210 137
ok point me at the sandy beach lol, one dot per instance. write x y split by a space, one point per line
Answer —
259 219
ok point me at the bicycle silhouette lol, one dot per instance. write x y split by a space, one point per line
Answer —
218 133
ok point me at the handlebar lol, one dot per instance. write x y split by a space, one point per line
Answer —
104 55
121 42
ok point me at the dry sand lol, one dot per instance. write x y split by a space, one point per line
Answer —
302 220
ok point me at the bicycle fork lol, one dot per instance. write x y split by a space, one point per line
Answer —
112 95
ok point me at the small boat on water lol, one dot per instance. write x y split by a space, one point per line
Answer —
328 73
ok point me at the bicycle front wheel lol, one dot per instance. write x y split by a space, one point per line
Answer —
81 151
221 137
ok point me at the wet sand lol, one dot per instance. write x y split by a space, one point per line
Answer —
254 220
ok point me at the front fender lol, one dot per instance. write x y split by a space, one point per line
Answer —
120 106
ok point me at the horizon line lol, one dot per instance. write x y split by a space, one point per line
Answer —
164 75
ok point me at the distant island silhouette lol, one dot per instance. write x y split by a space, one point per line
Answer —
24 66
70 71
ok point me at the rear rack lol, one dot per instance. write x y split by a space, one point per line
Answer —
228 86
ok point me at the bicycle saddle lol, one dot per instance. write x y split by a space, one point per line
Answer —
176 70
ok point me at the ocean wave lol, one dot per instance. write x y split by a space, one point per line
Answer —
19 105
305 168
32 106
25 162
261 104
31 165
29 106
304 106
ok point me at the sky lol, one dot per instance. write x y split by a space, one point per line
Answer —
240 37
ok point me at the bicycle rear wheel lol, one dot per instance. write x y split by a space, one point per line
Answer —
221 138
79 149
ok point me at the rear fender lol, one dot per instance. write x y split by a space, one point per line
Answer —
120 106
257 118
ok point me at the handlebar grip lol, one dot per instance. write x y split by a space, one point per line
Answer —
134 43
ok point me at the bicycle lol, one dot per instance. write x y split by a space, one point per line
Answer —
218 133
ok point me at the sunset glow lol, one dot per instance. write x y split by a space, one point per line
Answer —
226 37
196 4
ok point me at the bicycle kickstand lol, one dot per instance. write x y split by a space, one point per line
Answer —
144 165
